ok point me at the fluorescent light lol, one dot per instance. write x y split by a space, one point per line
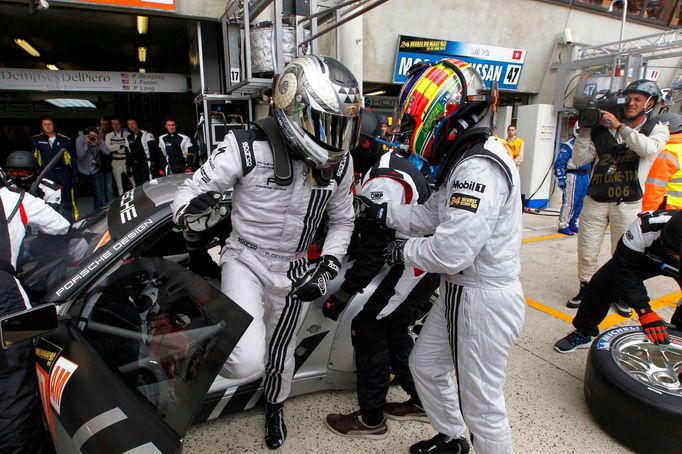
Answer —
142 54
142 24
142 70
375 93
70 102
27 47
52 67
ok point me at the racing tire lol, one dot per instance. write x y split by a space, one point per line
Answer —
633 389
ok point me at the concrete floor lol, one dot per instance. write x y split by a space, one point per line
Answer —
544 389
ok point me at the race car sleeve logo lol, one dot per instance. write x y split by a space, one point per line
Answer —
464 202
62 372
376 195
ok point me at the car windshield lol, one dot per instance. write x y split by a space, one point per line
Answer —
46 260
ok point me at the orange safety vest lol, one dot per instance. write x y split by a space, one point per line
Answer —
663 188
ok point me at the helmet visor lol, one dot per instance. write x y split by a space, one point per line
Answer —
335 131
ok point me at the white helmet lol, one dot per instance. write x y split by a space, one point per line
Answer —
317 105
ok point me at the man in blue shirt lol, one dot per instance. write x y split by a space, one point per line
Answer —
44 147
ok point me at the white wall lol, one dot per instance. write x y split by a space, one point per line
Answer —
523 24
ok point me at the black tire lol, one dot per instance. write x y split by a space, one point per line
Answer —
640 416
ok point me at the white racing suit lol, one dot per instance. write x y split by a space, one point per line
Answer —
475 219
21 428
116 143
598 215
272 228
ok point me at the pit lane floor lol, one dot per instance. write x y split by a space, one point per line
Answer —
544 389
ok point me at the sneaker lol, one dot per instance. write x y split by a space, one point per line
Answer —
275 429
566 231
573 341
574 302
405 411
574 228
351 425
623 309
441 443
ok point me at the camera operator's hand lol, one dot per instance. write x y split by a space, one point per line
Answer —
609 120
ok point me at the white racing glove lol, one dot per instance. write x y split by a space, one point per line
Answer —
204 211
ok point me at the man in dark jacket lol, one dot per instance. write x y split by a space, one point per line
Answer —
380 331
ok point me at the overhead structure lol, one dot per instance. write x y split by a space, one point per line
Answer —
632 55
259 38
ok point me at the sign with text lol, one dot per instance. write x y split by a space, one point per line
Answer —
103 81
502 64
166 5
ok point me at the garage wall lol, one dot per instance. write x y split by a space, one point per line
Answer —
523 24
201 9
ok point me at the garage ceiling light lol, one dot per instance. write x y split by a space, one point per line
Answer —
142 54
52 67
70 102
27 47
142 24
375 93
142 70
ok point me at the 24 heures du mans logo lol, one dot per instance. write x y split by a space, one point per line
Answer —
470 185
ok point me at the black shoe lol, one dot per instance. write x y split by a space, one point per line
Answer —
441 444
275 429
622 308
574 302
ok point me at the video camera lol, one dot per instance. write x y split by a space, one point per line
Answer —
589 109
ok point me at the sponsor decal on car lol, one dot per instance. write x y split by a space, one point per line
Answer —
61 374
128 212
605 341
103 258
464 202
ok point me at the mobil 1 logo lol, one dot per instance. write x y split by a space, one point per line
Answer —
469 185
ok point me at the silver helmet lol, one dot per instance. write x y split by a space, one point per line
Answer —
317 105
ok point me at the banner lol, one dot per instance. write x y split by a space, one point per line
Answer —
502 64
102 81
166 5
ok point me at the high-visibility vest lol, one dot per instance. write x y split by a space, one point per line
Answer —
665 178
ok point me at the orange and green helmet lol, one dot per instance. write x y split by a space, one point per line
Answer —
436 101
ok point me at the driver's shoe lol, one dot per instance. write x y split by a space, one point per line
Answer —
442 444
275 429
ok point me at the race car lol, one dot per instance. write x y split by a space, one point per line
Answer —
138 350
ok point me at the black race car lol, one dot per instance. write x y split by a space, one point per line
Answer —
141 339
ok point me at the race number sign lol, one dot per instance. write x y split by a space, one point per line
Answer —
501 64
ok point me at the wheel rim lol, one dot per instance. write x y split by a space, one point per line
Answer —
657 366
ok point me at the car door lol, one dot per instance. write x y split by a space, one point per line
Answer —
128 371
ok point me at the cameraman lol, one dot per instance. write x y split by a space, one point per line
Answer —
621 157
89 163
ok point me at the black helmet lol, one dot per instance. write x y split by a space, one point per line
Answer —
21 167
644 87
368 150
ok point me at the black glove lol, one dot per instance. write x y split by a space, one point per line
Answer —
204 211
370 210
313 284
335 304
200 262
393 252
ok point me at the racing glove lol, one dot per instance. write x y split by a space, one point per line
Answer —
653 326
393 252
204 211
370 210
313 284
336 303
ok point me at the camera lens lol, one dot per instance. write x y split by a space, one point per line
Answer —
590 117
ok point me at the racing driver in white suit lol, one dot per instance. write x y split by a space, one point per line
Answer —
475 222
285 175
